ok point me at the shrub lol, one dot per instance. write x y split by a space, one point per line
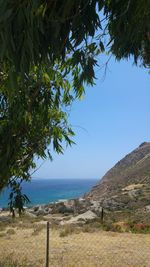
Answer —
140 228
11 232
108 226
67 230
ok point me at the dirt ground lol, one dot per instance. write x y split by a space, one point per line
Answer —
107 249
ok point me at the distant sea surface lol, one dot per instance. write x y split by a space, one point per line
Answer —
43 191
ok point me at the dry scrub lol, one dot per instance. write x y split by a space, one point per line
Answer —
73 248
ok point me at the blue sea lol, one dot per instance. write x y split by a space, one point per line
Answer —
43 191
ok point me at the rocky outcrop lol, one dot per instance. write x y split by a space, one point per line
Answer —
88 215
127 184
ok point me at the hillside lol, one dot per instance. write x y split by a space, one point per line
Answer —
127 184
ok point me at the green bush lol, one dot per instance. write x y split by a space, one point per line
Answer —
141 228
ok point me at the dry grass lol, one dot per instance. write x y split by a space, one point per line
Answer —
78 249
8 262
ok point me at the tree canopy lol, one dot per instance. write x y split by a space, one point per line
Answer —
45 61
48 51
129 29
34 31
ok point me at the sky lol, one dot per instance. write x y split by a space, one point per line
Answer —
111 121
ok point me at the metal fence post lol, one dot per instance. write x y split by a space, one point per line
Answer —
47 246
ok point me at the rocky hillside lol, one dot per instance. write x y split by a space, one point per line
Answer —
127 184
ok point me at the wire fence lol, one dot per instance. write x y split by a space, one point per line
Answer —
24 244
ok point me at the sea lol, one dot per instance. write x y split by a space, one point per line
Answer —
44 191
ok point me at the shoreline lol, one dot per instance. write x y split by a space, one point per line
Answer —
43 204
45 191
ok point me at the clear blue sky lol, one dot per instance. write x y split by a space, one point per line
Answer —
111 121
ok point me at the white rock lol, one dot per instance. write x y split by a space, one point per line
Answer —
88 215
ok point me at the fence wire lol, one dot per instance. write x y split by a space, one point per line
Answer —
23 244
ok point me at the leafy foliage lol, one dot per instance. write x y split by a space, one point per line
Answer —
17 200
44 30
33 112
129 29
45 62
48 51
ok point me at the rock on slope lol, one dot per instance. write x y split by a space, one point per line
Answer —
127 184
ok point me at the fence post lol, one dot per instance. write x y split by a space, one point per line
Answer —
47 246
102 215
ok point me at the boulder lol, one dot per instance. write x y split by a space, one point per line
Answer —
88 215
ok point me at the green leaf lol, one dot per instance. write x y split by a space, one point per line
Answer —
102 46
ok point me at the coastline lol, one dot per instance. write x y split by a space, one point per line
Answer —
49 191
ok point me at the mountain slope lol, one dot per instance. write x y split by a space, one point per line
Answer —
127 184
